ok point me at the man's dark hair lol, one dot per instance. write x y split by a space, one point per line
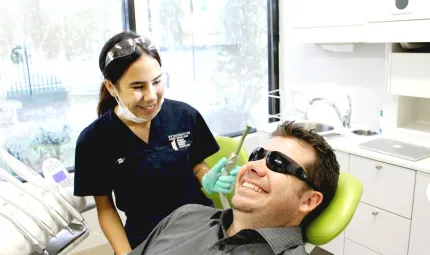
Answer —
324 172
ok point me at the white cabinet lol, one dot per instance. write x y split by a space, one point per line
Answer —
385 186
407 77
336 245
398 10
336 21
343 159
349 21
420 229
317 13
379 230
352 248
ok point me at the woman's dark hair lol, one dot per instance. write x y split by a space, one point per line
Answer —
117 68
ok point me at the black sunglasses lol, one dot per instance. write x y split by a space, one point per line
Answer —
281 163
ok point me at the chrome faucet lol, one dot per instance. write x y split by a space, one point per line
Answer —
345 119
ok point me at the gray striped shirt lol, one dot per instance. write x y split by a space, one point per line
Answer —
197 229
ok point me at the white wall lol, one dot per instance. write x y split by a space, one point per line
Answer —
309 68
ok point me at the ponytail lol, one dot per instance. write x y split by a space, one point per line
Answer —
106 101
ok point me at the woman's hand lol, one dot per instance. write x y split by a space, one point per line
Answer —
214 181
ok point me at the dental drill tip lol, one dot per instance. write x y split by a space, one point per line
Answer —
51 233
70 230
45 252
47 228
249 123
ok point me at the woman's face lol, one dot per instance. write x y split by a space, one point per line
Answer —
141 87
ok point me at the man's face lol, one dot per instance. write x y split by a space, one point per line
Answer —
274 197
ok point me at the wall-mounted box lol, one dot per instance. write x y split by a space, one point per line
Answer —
410 74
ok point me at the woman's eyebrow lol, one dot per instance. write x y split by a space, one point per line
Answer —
143 82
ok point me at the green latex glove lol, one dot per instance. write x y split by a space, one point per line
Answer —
213 181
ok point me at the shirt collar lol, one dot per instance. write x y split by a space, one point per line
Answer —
225 218
291 236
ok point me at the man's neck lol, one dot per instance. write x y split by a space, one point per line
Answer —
240 222
235 227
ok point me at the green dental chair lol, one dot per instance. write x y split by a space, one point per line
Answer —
330 223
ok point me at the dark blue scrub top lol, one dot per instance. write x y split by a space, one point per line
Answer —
149 180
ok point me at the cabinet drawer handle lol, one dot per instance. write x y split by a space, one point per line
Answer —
401 13
375 213
428 191
378 167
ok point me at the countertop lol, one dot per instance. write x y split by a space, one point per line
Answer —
349 143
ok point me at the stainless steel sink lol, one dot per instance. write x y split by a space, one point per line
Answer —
318 127
365 132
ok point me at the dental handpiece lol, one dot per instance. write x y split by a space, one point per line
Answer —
62 200
232 160
27 212
38 247
54 213
231 164
31 176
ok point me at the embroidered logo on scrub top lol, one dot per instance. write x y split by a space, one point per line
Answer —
179 141
174 145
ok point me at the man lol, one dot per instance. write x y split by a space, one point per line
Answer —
282 188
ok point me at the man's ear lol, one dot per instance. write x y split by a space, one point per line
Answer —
310 200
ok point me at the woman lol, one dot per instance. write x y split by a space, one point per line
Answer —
149 150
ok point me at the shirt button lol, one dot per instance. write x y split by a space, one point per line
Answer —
221 246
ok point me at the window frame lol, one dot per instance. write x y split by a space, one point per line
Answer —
128 15
273 54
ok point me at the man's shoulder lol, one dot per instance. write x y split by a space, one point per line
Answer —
192 214
196 209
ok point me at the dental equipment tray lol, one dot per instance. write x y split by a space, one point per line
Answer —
397 149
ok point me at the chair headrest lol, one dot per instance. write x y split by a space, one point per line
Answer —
336 217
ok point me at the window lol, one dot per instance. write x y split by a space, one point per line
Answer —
215 53
49 76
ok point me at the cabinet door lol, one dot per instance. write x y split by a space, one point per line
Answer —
407 78
420 237
352 248
385 186
379 230
336 245
343 159
396 10
317 13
